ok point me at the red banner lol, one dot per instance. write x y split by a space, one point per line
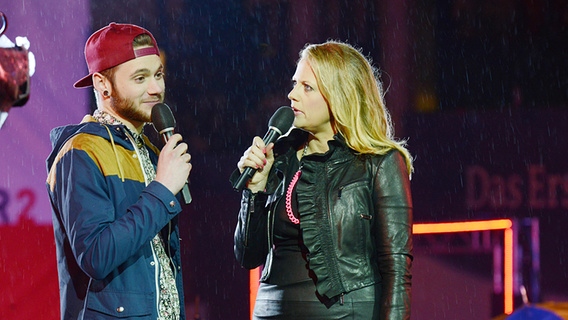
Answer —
28 273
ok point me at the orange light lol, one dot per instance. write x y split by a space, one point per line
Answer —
254 275
508 272
466 226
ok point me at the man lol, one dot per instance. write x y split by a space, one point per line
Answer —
112 196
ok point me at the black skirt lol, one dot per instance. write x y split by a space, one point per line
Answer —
295 302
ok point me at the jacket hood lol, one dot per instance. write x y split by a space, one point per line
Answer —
59 135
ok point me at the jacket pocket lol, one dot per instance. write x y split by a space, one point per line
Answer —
351 217
121 304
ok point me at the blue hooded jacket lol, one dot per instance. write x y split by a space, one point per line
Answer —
104 219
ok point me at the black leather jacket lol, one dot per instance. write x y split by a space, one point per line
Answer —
355 216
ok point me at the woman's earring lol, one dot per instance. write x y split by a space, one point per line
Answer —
106 93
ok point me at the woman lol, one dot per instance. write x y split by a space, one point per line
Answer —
328 211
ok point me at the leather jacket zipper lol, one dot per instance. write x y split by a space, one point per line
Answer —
339 192
251 212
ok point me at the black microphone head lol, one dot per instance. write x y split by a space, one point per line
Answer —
162 118
282 119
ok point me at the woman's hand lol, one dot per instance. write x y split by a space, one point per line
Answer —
260 157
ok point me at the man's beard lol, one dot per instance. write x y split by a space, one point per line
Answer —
126 109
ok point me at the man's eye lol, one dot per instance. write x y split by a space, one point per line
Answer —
160 75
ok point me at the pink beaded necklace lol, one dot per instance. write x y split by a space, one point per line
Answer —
291 186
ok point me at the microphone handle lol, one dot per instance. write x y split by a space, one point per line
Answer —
185 190
167 135
244 178
185 194
271 135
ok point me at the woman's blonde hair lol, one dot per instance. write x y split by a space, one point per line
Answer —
354 93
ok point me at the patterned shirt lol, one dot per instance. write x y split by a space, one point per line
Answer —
168 296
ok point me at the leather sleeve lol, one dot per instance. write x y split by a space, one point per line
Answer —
393 210
251 233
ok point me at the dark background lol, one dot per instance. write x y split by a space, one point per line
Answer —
469 83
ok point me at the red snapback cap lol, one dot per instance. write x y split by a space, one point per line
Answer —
111 46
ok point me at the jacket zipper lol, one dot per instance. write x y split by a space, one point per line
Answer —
156 275
170 249
251 212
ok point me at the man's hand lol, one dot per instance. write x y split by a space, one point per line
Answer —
173 164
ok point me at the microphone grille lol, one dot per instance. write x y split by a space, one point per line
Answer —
162 117
282 119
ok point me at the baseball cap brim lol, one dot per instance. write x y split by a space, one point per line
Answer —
86 81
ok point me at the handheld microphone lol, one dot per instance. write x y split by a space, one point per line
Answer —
164 122
280 122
